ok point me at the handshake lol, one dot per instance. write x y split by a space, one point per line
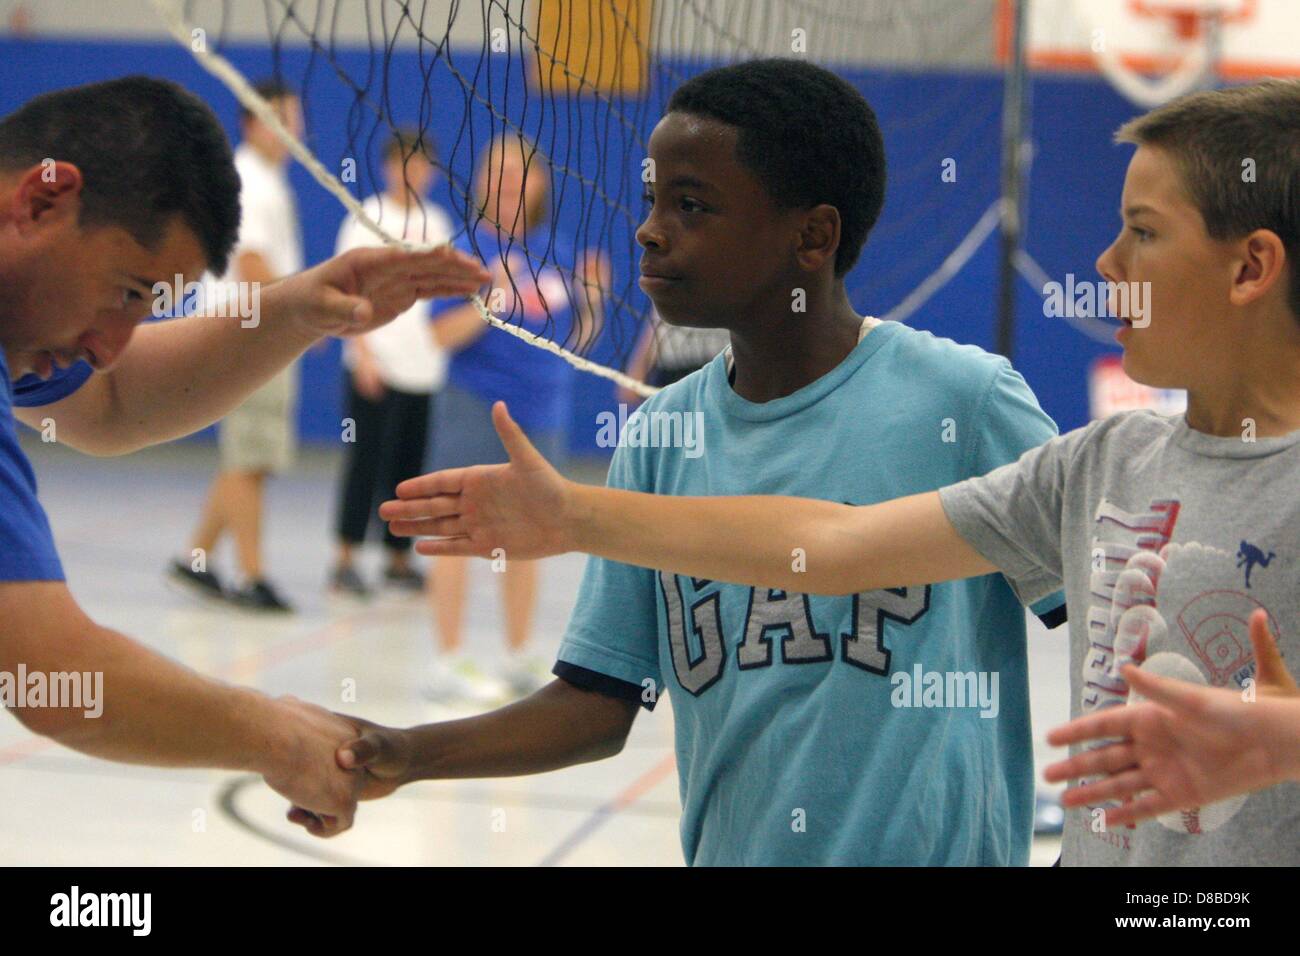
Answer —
323 763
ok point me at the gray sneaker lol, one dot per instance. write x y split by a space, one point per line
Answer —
345 580
459 679
405 579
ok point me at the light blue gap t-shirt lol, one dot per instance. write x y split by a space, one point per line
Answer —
27 550
793 746
536 384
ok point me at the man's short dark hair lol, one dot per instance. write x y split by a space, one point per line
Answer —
807 134
269 90
147 150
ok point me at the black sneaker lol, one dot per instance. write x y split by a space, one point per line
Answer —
260 596
408 579
203 584
345 580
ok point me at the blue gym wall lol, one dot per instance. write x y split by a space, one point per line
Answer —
1074 194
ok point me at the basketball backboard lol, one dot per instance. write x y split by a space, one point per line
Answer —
1256 38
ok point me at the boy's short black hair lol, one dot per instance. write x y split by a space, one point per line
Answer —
269 90
807 134
147 150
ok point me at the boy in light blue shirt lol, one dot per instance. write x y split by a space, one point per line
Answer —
883 727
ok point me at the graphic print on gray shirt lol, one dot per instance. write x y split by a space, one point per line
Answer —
1166 539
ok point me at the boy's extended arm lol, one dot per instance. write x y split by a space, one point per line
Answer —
558 726
795 544
817 547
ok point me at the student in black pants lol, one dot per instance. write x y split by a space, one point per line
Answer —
390 433
393 373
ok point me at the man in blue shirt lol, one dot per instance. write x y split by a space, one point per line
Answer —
889 726
108 193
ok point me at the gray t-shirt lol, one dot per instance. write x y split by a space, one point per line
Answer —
1166 539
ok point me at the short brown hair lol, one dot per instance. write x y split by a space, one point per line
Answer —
1211 135
406 141
269 90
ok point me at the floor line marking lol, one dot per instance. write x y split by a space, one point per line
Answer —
604 813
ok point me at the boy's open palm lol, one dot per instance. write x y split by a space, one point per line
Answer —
1185 746
519 510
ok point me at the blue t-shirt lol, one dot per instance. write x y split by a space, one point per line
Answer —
31 391
27 550
536 384
793 742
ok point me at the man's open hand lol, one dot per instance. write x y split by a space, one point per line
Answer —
359 291
303 767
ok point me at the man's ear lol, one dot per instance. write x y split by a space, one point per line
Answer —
1262 264
48 193
819 237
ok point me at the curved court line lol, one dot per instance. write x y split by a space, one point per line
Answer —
226 803
70 763
602 815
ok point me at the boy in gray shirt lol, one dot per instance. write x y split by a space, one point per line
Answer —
1167 539
1167 533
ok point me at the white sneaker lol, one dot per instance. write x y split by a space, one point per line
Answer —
458 678
524 674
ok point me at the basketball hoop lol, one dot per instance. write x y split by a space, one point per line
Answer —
1192 29
1163 47
1187 16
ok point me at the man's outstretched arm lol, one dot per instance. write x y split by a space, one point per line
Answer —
179 376
798 544
139 707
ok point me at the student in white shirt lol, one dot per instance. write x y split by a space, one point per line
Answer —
394 373
258 438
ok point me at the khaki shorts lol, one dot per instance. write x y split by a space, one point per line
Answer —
260 435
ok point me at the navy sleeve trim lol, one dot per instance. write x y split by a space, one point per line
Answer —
31 391
585 679
1055 617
